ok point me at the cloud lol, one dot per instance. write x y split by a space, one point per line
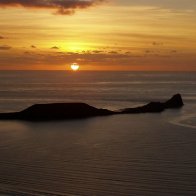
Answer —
157 43
63 7
5 47
113 52
55 48
60 58
174 4
1 37
97 51
32 46
56 60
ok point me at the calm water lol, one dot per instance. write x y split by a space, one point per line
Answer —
19 89
112 90
144 154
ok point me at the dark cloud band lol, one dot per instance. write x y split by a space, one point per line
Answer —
5 47
62 6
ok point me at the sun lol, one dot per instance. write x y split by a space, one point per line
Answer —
75 67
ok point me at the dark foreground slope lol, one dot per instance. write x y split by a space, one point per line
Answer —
60 111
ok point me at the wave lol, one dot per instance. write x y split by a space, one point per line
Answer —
186 121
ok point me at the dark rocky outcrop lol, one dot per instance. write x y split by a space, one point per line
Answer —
57 111
60 111
154 107
174 102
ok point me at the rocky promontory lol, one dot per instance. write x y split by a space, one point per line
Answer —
62 111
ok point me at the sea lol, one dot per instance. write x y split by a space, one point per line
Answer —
132 154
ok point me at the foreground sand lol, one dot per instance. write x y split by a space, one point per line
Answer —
115 155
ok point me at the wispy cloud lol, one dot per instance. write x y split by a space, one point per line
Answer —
55 48
59 60
5 47
174 4
33 46
63 7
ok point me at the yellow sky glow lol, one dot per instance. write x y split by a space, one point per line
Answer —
106 37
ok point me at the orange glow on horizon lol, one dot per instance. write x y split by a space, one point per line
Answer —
108 37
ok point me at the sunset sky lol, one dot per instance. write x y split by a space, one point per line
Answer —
98 34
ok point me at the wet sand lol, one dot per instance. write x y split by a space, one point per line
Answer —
116 155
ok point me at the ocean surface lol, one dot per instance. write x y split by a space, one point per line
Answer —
142 154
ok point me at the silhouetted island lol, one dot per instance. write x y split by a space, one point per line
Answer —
61 111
